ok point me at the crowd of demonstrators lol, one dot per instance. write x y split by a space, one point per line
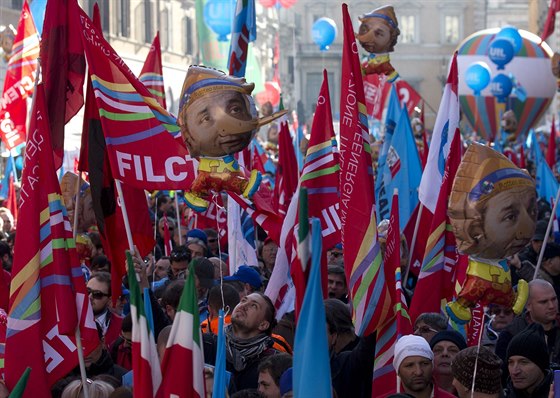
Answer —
516 357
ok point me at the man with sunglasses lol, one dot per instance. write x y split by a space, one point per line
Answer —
99 291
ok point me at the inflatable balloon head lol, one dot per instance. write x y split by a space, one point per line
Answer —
218 118
492 209
7 37
378 35
85 212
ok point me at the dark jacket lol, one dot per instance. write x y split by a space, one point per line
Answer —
104 366
540 392
248 378
352 371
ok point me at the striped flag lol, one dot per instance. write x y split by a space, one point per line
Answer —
48 298
384 375
320 176
436 282
143 140
183 361
19 81
145 362
244 31
370 295
151 74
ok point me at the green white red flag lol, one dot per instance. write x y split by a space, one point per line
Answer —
145 362
183 361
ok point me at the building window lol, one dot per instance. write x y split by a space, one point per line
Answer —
164 30
451 29
124 14
17 4
188 36
407 25
139 31
148 35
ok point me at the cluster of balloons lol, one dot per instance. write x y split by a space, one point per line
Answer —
324 32
501 51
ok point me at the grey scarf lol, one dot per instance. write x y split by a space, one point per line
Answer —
241 351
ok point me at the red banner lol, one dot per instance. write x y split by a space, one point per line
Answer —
376 91
20 81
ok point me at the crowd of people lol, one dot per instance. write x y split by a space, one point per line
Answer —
516 357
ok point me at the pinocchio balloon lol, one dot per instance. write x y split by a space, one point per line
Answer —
492 209
218 118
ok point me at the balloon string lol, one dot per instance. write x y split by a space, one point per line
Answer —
218 208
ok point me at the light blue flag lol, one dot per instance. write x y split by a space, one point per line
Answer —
383 193
312 370
220 369
6 179
37 8
402 170
547 186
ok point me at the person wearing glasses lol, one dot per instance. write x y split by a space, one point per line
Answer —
428 324
99 291
500 317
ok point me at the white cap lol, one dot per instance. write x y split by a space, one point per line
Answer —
410 346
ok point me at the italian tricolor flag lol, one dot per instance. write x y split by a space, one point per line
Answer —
145 362
183 361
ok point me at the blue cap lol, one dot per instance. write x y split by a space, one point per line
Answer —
338 246
286 384
246 274
198 233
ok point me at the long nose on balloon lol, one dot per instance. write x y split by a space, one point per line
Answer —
526 225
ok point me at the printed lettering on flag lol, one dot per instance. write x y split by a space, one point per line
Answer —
20 81
143 140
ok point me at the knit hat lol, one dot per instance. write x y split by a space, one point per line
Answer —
488 370
552 250
449 335
410 346
198 233
531 344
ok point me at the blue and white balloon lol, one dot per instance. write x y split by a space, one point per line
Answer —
324 32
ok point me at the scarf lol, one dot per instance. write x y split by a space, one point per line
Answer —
241 351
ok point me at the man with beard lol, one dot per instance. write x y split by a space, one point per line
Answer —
99 291
413 361
248 340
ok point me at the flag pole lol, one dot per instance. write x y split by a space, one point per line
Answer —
77 205
178 218
412 244
125 216
546 235
14 170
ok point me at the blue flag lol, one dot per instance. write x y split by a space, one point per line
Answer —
383 193
219 389
401 169
311 349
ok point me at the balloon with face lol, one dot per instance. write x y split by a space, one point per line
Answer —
378 35
218 118
492 209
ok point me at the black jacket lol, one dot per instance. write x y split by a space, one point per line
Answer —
352 371
540 392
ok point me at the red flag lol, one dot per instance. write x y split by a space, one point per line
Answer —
522 164
20 81
417 244
48 298
320 175
384 375
476 325
377 89
144 144
215 217
550 19
551 150
286 172
95 160
152 73
362 254
63 68
436 282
